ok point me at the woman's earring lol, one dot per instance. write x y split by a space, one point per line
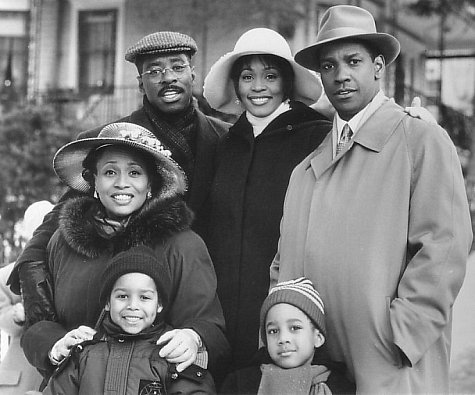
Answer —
96 195
149 195
237 101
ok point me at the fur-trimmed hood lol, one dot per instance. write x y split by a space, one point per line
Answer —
156 221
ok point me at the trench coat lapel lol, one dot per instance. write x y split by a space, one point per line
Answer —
373 135
322 158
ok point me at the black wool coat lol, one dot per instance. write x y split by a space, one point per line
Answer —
78 254
30 265
245 208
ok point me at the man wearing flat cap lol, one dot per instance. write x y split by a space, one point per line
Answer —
377 218
165 77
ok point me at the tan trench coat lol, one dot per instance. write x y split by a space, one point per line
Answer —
384 232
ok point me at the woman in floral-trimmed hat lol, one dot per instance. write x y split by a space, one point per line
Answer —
131 195
276 129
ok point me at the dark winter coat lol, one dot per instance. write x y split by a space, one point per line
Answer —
77 256
37 304
126 364
246 381
245 206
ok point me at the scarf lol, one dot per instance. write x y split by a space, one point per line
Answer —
303 380
177 133
107 228
260 123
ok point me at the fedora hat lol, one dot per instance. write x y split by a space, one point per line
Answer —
218 87
346 22
68 161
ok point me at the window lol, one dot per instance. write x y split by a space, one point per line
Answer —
13 53
97 37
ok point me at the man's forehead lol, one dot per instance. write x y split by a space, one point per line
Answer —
165 58
344 47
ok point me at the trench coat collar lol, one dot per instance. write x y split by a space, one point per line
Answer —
371 135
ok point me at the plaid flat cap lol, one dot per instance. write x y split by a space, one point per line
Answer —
161 43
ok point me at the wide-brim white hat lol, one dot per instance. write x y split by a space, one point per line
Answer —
346 22
218 87
68 161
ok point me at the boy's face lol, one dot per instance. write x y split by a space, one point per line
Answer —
350 76
133 304
291 336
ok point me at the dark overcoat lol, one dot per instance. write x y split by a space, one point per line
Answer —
78 254
246 202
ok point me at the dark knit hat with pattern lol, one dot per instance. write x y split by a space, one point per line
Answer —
161 43
299 293
139 259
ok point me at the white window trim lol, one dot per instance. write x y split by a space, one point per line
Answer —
83 5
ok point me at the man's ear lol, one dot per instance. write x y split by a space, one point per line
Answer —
318 339
141 89
379 67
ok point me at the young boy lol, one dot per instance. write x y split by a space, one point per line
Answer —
123 356
292 329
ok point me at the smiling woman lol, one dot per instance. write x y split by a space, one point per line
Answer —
276 129
131 195
122 180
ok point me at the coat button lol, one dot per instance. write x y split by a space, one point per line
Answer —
289 127
174 376
199 374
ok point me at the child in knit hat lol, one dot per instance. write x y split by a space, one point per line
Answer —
294 359
123 356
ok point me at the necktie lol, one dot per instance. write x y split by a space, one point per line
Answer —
345 137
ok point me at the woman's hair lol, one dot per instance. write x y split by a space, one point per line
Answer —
90 167
279 63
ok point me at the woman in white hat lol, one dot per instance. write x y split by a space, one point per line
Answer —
275 131
131 195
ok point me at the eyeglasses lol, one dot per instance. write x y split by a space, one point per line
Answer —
156 74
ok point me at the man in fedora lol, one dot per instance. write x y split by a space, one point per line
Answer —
165 77
377 217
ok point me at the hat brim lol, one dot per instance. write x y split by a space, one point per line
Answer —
387 45
219 91
68 164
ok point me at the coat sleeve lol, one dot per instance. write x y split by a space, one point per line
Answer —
439 239
195 302
36 342
65 382
42 334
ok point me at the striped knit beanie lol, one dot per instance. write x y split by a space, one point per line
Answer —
139 259
161 43
299 293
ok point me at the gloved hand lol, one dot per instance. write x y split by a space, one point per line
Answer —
180 347
61 348
417 111
18 314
